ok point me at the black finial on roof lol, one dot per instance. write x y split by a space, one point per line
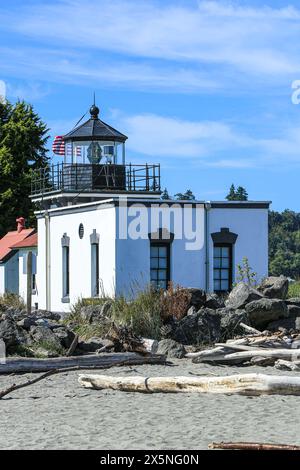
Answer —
94 111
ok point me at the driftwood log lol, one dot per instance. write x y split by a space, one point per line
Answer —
251 446
243 384
24 364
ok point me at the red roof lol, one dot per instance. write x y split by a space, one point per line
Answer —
30 241
11 239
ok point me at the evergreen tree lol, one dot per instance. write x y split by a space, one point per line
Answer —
231 195
187 196
23 138
239 194
165 194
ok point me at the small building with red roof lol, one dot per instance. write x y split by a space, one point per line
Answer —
13 247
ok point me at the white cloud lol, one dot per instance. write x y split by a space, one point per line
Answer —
209 143
252 40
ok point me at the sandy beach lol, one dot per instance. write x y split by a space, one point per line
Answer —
58 413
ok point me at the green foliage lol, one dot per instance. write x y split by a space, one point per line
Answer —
246 274
10 300
187 196
141 313
239 194
41 346
294 290
165 195
23 138
284 243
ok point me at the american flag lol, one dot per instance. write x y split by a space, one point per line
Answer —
58 146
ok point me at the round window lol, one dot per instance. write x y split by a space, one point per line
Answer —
81 231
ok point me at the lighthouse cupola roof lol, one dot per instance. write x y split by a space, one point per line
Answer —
95 129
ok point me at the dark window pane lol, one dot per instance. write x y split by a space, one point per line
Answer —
163 263
217 252
225 262
225 252
217 262
225 285
154 263
154 251
224 274
217 285
162 251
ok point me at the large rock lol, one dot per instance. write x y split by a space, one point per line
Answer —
12 334
171 349
202 327
294 310
64 335
214 301
97 313
230 321
274 287
45 337
263 311
241 295
198 297
293 301
93 344
292 323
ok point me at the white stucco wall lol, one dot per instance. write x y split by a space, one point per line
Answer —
2 279
124 261
187 260
102 219
251 225
23 277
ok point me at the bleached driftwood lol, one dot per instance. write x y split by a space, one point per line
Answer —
251 446
288 354
24 364
281 364
244 384
250 329
217 352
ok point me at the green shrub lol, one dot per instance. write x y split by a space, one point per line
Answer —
294 290
246 274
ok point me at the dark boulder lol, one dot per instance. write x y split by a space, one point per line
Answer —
171 349
97 313
241 295
293 301
292 323
230 321
93 344
214 301
262 312
44 336
12 334
198 297
294 310
274 287
202 327
64 335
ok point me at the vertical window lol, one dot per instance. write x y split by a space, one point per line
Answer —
95 269
222 267
33 282
66 271
160 265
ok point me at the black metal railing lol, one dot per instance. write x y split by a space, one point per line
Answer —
69 177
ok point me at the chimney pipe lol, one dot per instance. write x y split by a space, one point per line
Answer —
20 224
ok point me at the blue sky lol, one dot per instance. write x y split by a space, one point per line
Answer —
203 87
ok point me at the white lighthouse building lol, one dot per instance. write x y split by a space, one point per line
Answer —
104 229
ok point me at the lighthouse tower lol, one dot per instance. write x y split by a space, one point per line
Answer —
94 167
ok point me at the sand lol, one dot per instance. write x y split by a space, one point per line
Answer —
58 413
